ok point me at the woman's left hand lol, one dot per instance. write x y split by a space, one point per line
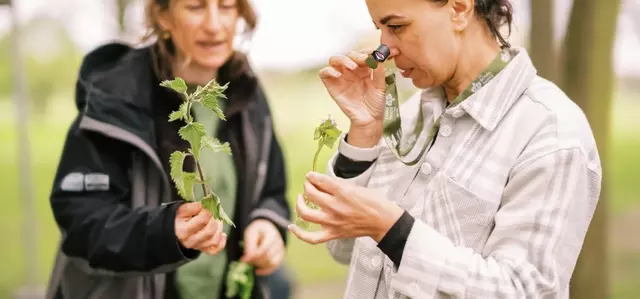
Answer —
345 210
263 246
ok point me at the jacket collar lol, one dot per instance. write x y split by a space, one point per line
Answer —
490 103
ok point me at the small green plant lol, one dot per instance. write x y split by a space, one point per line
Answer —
240 280
240 277
194 133
326 134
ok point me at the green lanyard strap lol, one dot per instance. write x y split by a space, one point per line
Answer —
392 128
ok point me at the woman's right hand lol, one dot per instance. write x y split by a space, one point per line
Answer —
196 229
361 99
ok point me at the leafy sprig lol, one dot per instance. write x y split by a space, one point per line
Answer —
194 133
240 280
327 133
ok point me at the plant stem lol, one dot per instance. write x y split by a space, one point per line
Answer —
189 117
201 175
315 157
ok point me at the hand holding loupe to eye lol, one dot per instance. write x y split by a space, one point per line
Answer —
356 82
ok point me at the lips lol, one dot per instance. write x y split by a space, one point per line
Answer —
211 45
406 72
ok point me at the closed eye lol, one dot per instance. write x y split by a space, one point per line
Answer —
228 4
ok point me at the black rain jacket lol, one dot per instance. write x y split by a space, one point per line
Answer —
117 236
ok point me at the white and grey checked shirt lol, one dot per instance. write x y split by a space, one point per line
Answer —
502 199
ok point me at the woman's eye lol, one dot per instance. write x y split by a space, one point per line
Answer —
227 4
195 6
394 27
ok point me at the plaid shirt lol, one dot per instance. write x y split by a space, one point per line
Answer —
502 200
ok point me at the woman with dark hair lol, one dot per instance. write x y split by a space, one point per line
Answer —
487 188
125 231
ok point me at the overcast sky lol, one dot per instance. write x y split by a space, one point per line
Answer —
296 33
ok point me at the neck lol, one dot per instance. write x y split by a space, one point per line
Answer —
192 73
476 57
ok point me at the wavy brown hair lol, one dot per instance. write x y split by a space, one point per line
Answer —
163 51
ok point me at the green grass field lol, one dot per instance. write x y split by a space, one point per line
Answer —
298 105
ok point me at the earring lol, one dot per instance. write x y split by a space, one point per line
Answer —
166 35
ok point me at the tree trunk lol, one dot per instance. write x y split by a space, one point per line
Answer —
588 80
121 9
542 44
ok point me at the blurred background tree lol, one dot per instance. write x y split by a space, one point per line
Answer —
542 44
50 59
589 80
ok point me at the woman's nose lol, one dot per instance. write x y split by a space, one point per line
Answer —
394 51
388 40
213 21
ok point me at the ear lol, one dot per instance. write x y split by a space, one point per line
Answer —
461 13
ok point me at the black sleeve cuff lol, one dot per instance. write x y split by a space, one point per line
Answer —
347 168
392 244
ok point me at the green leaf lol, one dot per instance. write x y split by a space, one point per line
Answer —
181 113
189 179
209 96
223 216
240 280
193 133
327 132
177 85
183 180
210 100
211 202
333 132
176 162
331 135
215 145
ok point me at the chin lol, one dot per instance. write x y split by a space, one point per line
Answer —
421 83
211 62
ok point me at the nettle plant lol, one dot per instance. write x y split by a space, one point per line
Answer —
240 278
194 133
326 134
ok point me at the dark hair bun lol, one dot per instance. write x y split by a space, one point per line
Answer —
497 13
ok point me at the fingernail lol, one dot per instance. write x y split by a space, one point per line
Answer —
335 73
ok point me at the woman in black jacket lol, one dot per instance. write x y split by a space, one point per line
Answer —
125 231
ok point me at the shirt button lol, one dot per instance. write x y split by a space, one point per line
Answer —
445 131
458 113
375 261
426 168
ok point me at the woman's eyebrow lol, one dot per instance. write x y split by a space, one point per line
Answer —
390 17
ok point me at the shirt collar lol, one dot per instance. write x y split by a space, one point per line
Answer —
490 103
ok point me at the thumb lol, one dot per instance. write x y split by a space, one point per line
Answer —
380 77
251 240
190 209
